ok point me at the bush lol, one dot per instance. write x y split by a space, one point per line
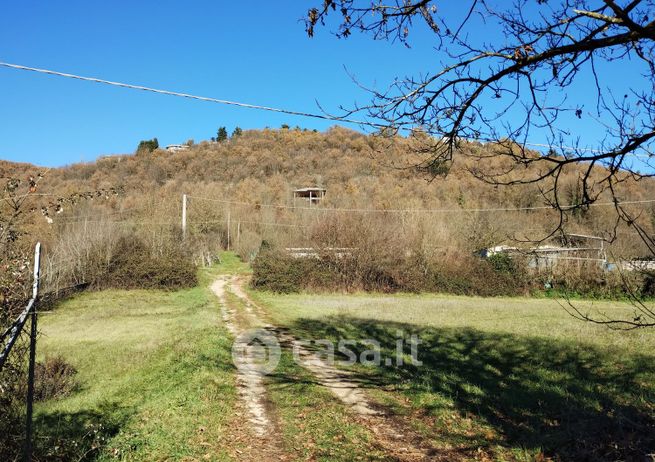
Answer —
502 263
54 378
464 275
588 280
133 266
278 272
474 276
648 285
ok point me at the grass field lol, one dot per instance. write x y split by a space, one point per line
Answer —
502 379
156 380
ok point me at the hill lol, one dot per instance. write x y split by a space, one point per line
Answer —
377 199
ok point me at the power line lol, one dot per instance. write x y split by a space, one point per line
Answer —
257 106
272 224
462 210
190 96
173 223
82 219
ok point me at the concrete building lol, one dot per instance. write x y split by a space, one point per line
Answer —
313 195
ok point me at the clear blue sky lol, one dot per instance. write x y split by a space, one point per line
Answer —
257 54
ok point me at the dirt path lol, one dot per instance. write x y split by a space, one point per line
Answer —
251 389
393 435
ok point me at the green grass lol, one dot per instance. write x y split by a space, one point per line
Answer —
314 425
502 378
311 423
155 373
231 264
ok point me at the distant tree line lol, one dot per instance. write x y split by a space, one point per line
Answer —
221 134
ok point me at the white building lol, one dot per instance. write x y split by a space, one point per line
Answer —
176 147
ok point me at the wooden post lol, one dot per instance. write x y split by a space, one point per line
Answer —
238 233
228 230
184 216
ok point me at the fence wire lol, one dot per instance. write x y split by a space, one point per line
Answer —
17 364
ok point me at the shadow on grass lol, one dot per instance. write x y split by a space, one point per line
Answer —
573 402
79 436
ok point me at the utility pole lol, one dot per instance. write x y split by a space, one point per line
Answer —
184 216
228 230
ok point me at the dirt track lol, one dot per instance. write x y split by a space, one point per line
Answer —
392 433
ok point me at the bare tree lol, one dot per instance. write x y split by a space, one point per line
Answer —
523 83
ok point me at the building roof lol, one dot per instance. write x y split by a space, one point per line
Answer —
314 188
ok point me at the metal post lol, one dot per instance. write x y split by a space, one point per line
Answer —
30 379
184 216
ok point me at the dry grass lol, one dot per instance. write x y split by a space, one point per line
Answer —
545 318
502 378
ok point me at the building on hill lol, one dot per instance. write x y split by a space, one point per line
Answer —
312 194
176 147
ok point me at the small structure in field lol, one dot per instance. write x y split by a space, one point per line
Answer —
571 247
312 194
312 252
637 264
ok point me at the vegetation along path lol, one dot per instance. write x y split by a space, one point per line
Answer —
241 313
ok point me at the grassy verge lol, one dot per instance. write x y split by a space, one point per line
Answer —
155 372
314 424
501 379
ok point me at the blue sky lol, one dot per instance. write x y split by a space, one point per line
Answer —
214 48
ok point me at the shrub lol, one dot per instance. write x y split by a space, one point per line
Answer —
54 378
133 266
648 285
273 270
587 279
464 275
502 263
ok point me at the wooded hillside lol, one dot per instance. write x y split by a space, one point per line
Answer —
378 199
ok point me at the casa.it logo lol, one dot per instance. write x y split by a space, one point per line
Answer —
256 351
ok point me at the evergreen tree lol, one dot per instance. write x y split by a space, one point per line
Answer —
147 146
237 132
221 135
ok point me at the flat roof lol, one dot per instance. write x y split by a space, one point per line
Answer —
309 189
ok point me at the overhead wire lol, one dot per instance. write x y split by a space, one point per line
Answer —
460 210
190 96
254 106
